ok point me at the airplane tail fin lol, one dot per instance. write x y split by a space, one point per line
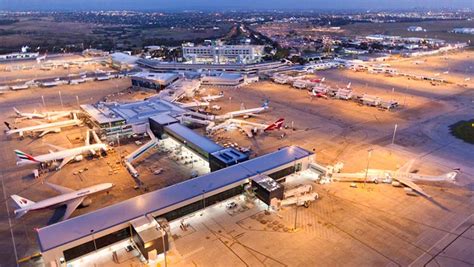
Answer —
23 156
451 176
349 85
8 125
22 203
276 125
265 103
323 79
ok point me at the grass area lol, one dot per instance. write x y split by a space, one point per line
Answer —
464 130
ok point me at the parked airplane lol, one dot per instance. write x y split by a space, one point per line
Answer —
72 199
45 128
210 98
244 112
314 93
50 116
193 104
250 128
402 176
318 80
63 155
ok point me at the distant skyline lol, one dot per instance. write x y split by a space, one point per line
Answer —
179 5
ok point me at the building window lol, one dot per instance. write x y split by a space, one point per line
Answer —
100 242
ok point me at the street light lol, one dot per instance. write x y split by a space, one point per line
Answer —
296 211
369 154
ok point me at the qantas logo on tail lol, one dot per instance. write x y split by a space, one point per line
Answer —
23 156
276 125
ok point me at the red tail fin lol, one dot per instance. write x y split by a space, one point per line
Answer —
275 126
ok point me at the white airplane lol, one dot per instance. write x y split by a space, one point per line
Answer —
319 92
250 128
243 112
45 128
194 104
63 155
210 98
50 116
39 59
68 196
402 176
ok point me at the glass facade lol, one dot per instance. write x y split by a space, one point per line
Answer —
125 233
201 204
100 242
278 175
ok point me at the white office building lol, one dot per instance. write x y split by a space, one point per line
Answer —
222 54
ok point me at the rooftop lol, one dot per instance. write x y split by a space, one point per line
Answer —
79 227
133 112
124 58
267 182
194 138
230 155
162 78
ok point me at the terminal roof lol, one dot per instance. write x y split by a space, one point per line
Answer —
82 226
194 138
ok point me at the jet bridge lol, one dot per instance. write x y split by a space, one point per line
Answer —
139 152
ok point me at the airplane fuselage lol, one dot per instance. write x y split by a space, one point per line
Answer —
59 155
379 175
45 127
57 200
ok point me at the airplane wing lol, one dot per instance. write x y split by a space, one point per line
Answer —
72 206
247 130
65 161
58 148
36 122
406 167
43 133
413 186
60 189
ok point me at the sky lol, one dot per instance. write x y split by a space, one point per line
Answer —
176 5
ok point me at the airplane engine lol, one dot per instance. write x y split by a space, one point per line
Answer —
86 202
78 158
396 184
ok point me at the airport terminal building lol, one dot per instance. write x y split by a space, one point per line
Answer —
153 81
222 54
122 120
137 220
